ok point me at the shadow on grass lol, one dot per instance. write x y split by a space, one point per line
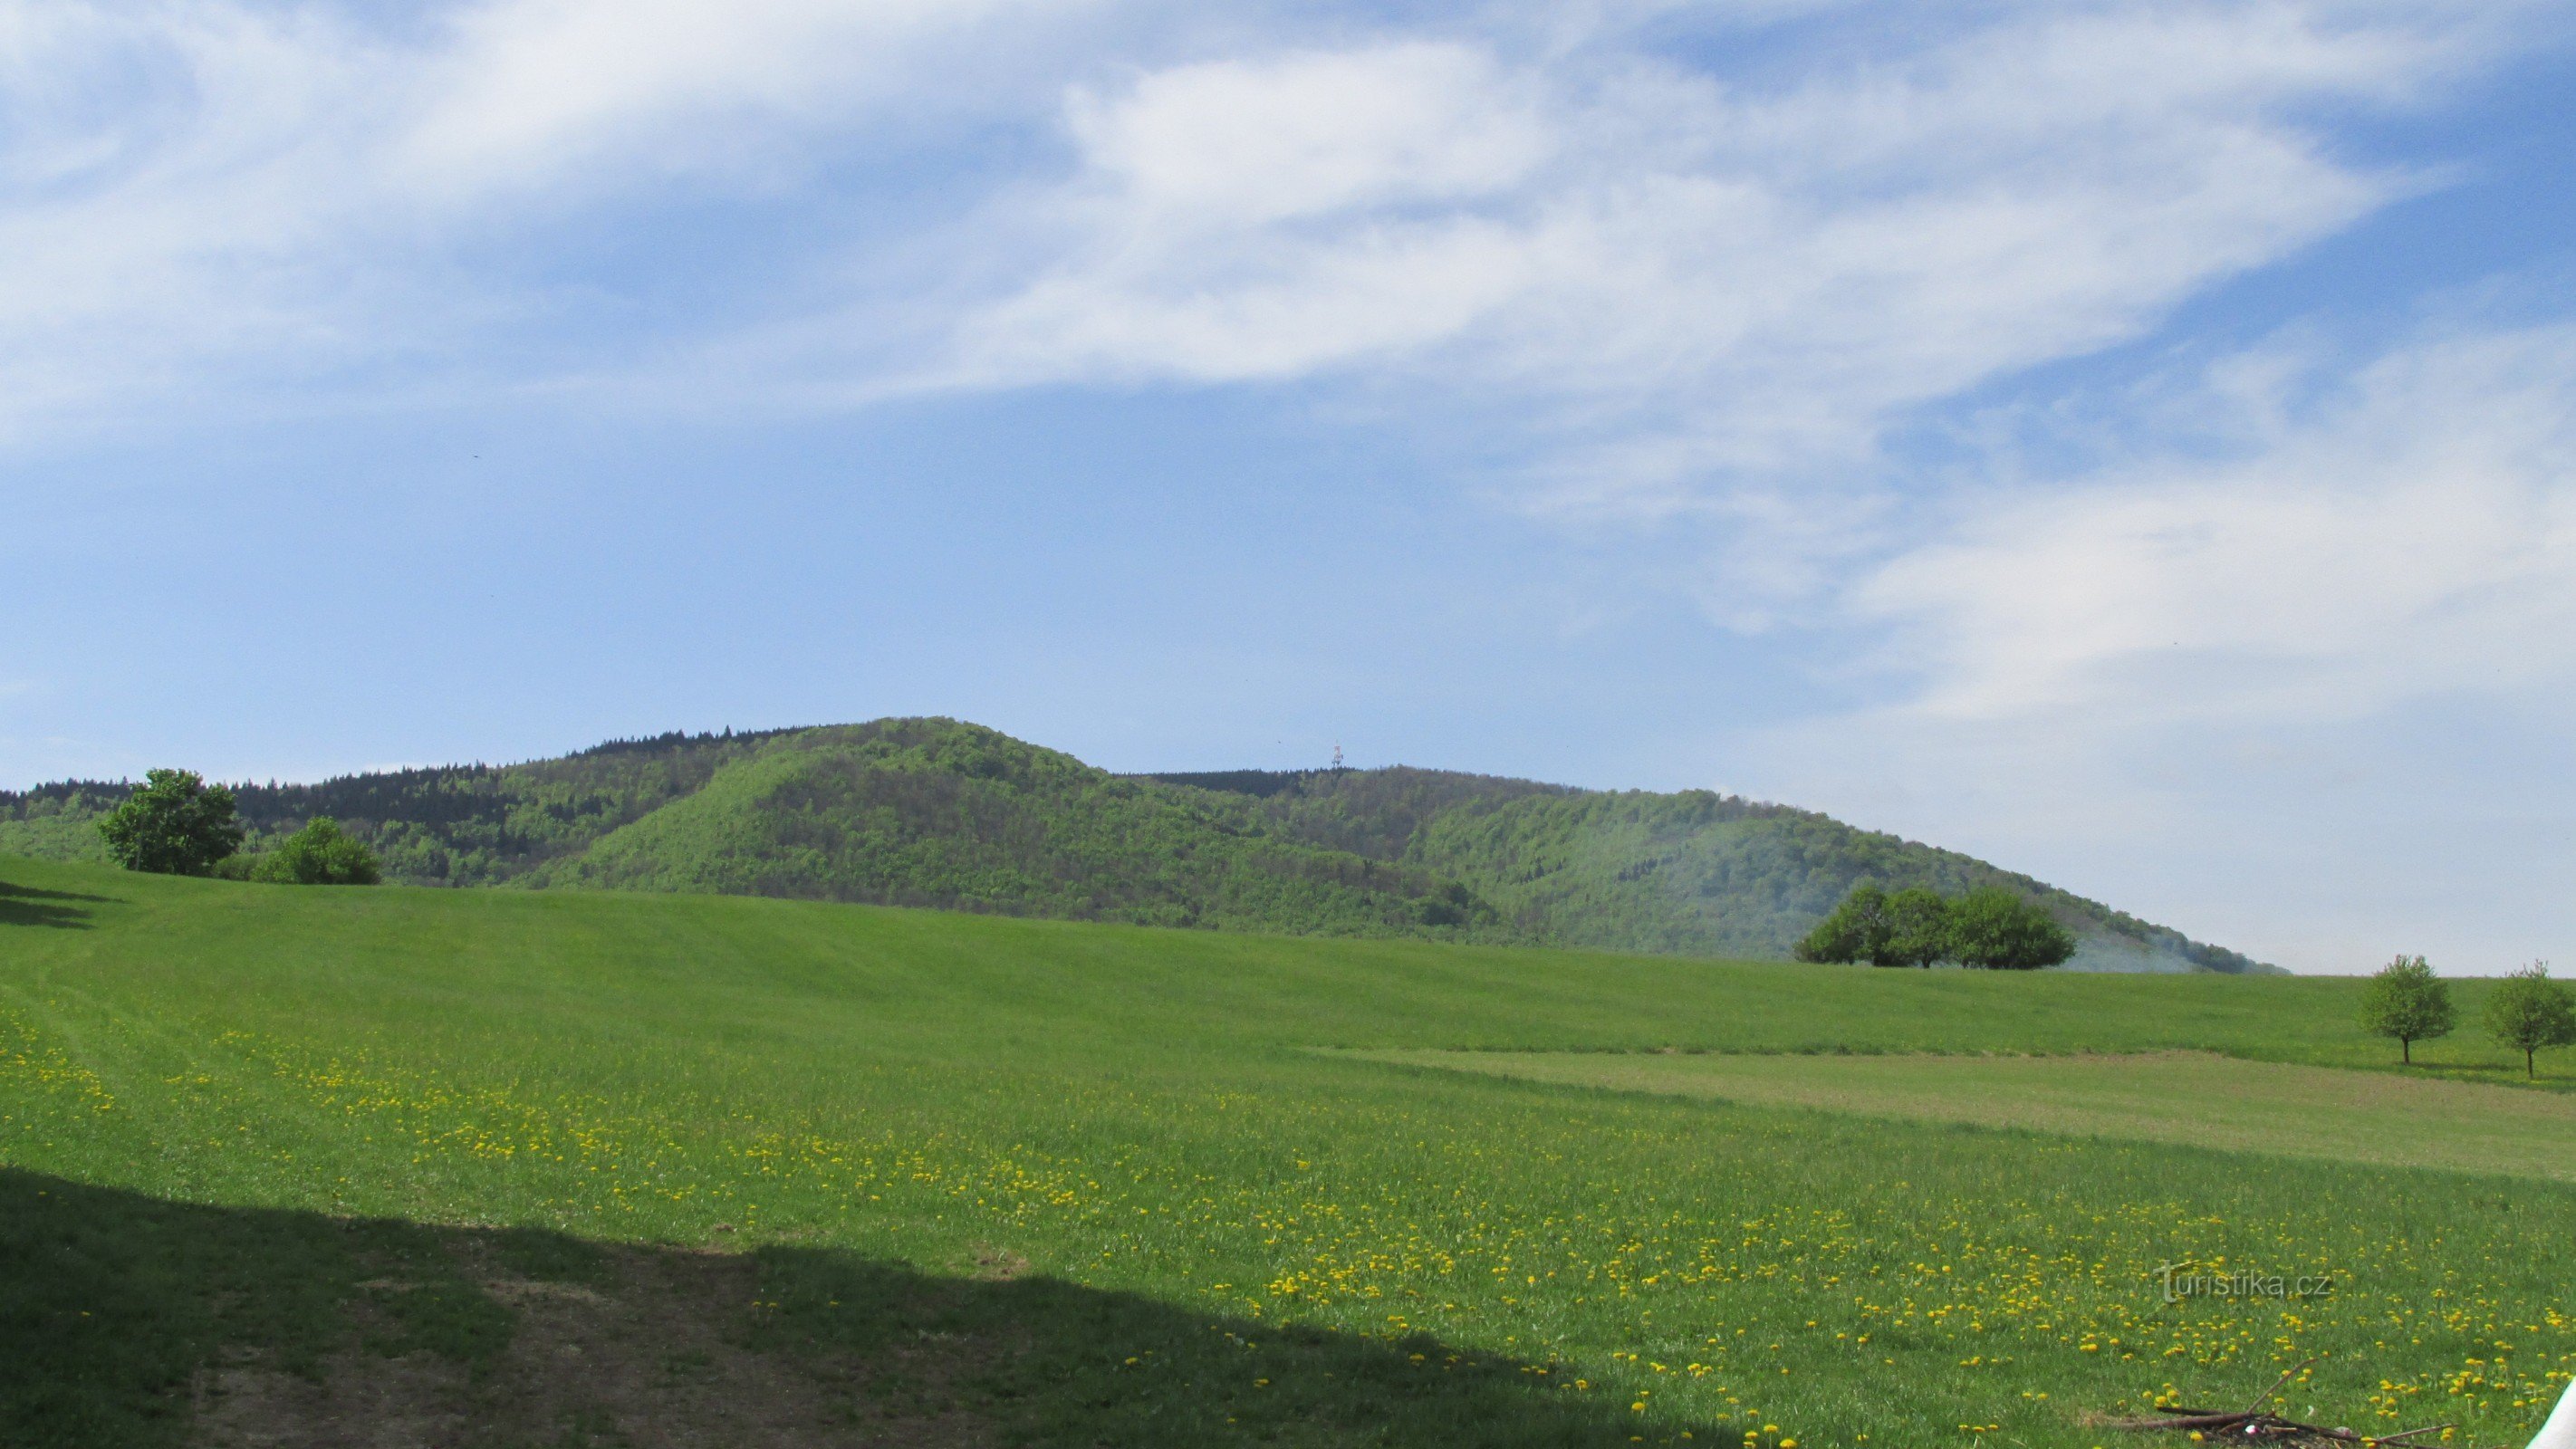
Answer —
2552 1075
28 906
125 1320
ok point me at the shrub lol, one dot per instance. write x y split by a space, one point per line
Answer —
319 854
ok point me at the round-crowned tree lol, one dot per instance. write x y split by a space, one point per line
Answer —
1994 929
1918 929
1905 928
2407 1001
173 824
1856 930
2531 1013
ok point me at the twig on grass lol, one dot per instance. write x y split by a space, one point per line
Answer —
2260 1424
2286 1375
2264 1426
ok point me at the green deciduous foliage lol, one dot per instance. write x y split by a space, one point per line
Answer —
173 824
1907 928
1918 929
1989 928
319 854
2408 1002
937 813
1994 929
1851 931
2530 1013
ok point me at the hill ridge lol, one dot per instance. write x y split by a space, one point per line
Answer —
938 812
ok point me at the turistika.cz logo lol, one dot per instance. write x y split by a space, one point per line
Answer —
2187 1280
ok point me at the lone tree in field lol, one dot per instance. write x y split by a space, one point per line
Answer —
1908 928
2529 1012
2407 1001
319 854
1993 929
174 824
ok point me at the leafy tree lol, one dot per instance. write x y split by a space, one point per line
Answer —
173 824
1856 930
319 854
1918 929
1907 928
1454 905
2529 1012
2407 1001
938 813
1994 929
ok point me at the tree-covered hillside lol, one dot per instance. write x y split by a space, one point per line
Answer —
447 825
1692 873
933 812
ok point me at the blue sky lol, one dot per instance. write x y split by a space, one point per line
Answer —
2132 442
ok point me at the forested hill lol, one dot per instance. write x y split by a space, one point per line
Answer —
932 812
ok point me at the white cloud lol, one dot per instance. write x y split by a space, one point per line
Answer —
577 91
1650 277
1233 222
1216 146
2290 676
1672 280
2413 533
169 178
214 197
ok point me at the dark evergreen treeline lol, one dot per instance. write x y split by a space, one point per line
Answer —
939 813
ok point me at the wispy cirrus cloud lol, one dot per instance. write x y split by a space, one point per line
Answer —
1679 285
2286 664
209 198
596 96
2403 529
1674 281
1692 280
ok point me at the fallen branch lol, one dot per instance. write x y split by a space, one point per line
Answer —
2287 1374
2258 1423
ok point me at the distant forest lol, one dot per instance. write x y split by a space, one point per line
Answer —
930 812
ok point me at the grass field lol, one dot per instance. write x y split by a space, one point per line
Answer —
1023 1182
2188 1098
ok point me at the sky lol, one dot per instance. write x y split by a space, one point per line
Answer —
2133 443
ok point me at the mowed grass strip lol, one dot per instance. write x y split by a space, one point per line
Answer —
2196 1098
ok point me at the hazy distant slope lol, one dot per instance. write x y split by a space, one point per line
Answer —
935 812
1692 873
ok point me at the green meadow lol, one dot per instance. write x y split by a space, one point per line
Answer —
938 1178
2187 1098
